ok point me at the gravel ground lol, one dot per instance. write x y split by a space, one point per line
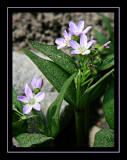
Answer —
45 28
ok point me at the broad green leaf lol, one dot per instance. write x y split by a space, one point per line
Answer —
108 104
54 109
101 39
56 75
104 138
16 102
95 90
15 117
19 127
108 25
107 62
29 140
58 56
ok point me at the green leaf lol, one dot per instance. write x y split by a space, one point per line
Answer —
58 56
15 117
104 138
56 75
107 62
54 109
95 90
16 102
101 39
108 24
29 140
19 127
108 104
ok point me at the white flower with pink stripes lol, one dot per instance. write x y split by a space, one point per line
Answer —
83 47
30 100
78 30
63 42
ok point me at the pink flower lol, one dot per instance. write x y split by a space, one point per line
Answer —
63 42
37 83
78 30
83 47
30 100
106 44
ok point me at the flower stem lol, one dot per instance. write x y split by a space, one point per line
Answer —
78 91
79 128
32 124
86 125
82 126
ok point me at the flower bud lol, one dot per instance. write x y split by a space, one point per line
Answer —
37 83
101 48
36 90
97 61
93 71
24 117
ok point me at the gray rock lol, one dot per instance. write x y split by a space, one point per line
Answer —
23 72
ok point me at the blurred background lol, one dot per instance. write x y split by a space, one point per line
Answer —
45 27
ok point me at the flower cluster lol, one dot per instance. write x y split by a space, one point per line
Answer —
30 100
77 31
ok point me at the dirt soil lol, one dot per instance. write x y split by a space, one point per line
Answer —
45 27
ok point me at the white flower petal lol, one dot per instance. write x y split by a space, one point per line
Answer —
33 82
22 99
39 96
60 41
28 92
89 44
27 108
74 44
66 35
86 52
75 52
37 106
39 83
61 46
83 40
73 28
70 35
87 29
80 26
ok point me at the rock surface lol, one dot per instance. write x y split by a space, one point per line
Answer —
24 70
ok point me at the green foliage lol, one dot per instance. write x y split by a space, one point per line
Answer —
107 62
108 25
95 90
104 138
101 38
58 56
54 109
31 139
16 102
108 104
56 75
19 127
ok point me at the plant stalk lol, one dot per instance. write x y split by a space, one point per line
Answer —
79 128
82 127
